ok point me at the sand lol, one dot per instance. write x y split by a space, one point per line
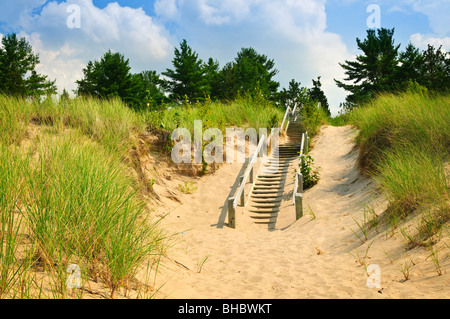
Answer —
318 256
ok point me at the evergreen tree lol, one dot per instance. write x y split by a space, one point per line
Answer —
409 69
213 78
374 71
254 71
17 60
316 94
188 76
435 69
294 94
228 85
64 96
37 86
149 91
109 77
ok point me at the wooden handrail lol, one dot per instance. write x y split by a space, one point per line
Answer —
288 110
233 201
299 175
298 185
249 170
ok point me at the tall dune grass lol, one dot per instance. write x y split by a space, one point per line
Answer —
109 123
405 143
66 197
244 112
402 120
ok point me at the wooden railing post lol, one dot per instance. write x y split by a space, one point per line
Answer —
241 179
300 183
231 213
306 143
298 188
298 206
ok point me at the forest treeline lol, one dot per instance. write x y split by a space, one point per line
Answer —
380 68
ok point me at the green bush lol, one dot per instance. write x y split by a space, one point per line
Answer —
310 173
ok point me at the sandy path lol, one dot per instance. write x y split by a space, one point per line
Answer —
312 258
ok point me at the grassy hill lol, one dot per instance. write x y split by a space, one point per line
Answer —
404 144
68 193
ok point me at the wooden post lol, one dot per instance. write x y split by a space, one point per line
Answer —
251 175
306 143
231 213
241 179
298 206
300 183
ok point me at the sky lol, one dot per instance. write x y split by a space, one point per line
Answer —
305 38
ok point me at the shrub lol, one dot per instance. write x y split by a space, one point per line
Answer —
309 172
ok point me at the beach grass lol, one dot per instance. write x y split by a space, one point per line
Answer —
404 144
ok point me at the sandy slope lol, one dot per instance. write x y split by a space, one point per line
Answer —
317 257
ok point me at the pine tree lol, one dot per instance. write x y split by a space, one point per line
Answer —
316 94
37 85
109 77
410 65
149 92
17 60
213 78
188 76
294 94
435 69
374 71
254 71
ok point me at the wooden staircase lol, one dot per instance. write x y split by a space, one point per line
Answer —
267 194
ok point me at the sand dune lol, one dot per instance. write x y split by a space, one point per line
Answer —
316 257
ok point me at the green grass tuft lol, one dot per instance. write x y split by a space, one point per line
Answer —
405 144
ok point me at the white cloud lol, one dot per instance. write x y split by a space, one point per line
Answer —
437 12
210 14
64 51
13 13
168 9
421 41
292 32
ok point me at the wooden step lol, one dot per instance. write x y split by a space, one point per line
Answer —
266 200
266 196
267 205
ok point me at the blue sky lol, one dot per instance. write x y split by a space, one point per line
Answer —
306 38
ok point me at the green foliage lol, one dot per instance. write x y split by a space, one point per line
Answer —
294 94
17 60
435 70
404 144
252 72
381 68
373 71
243 112
188 187
415 88
310 173
313 117
149 93
188 76
69 198
108 78
213 78
411 61
316 94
